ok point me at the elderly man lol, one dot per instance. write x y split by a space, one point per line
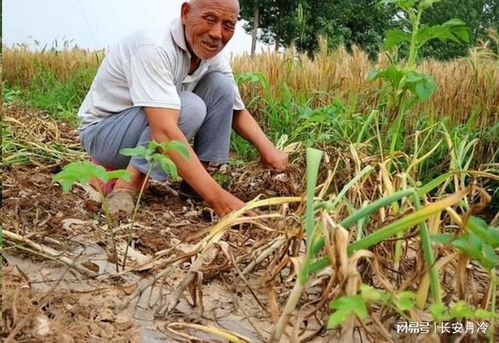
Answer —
172 86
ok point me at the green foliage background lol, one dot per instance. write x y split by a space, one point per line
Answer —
363 23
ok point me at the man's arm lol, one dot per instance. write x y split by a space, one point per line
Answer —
246 126
164 127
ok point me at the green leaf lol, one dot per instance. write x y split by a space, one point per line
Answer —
374 206
472 249
167 165
484 314
317 246
439 312
392 75
424 4
404 4
337 318
490 258
405 300
406 222
179 147
453 29
461 310
458 29
371 294
119 174
432 184
346 305
476 249
373 74
395 37
80 172
91 170
319 265
421 85
425 89
443 238
480 228
137 151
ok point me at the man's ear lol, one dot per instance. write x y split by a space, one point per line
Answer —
186 7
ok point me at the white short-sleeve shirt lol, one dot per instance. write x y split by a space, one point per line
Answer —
147 69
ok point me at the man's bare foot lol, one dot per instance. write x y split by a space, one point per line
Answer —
120 202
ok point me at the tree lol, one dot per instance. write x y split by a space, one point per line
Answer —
275 18
351 22
355 22
479 15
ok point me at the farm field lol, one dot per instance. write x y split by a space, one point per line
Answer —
387 215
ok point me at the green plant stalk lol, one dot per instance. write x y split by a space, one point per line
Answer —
411 61
134 215
398 246
397 255
372 115
428 256
493 293
406 222
397 124
314 157
364 212
374 206
413 49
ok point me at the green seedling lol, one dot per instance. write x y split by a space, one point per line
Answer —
83 172
155 154
358 304
400 302
345 306
460 309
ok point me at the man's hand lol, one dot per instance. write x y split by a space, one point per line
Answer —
164 127
275 159
247 127
224 203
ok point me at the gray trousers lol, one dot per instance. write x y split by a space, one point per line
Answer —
205 116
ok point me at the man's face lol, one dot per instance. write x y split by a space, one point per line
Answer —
209 25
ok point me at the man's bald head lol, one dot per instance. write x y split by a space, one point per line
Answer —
199 4
209 25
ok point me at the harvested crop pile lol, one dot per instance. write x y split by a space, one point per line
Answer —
32 136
